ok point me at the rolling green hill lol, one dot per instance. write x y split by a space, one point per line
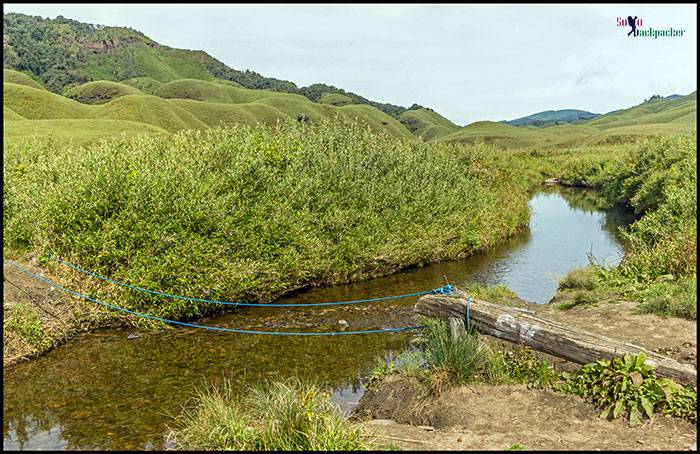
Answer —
182 104
78 131
119 74
335 99
427 124
659 116
553 117
492 132
17 77
100 92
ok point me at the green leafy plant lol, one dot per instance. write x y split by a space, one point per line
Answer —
523 366
628 386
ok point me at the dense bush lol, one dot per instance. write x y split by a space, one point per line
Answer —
250 213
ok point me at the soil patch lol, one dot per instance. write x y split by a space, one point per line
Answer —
674 337
37 316
498 417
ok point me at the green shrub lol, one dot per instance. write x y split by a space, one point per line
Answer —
581 278
282 416
677 298
521 365
658 179
628 386
249 213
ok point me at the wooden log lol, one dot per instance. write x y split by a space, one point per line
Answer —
522 326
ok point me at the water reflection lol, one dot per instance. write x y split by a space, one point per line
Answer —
105 391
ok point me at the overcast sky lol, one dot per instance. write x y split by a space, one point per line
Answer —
468 62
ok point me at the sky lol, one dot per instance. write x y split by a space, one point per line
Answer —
467 62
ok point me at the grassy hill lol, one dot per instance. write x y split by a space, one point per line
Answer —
659 116
77 131
100 92
182 104
427 124
17 77
492 132
335 99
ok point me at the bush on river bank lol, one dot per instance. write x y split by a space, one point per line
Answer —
252 212
630 386
658 179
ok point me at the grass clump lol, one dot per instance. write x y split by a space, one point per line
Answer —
628 386
580 298
440 360
667 298
458 360
581 278
498 294
24 320
284 416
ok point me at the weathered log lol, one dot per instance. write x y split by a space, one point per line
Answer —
524 327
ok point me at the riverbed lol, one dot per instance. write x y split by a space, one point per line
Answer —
110 390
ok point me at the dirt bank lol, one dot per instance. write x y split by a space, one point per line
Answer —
498 417
672 336
37 316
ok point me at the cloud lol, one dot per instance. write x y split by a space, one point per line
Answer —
590 75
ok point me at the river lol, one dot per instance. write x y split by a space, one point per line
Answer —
107 391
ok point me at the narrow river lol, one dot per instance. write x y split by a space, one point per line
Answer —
106 391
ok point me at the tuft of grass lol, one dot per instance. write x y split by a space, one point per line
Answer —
24 320
516 447
671 298
580 298
456 360
580 278
498 294
284 416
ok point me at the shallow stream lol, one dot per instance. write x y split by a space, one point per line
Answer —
106 391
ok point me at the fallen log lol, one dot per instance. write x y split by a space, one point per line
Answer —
522 326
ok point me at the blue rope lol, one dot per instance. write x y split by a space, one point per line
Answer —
445 290
467 323
210 328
